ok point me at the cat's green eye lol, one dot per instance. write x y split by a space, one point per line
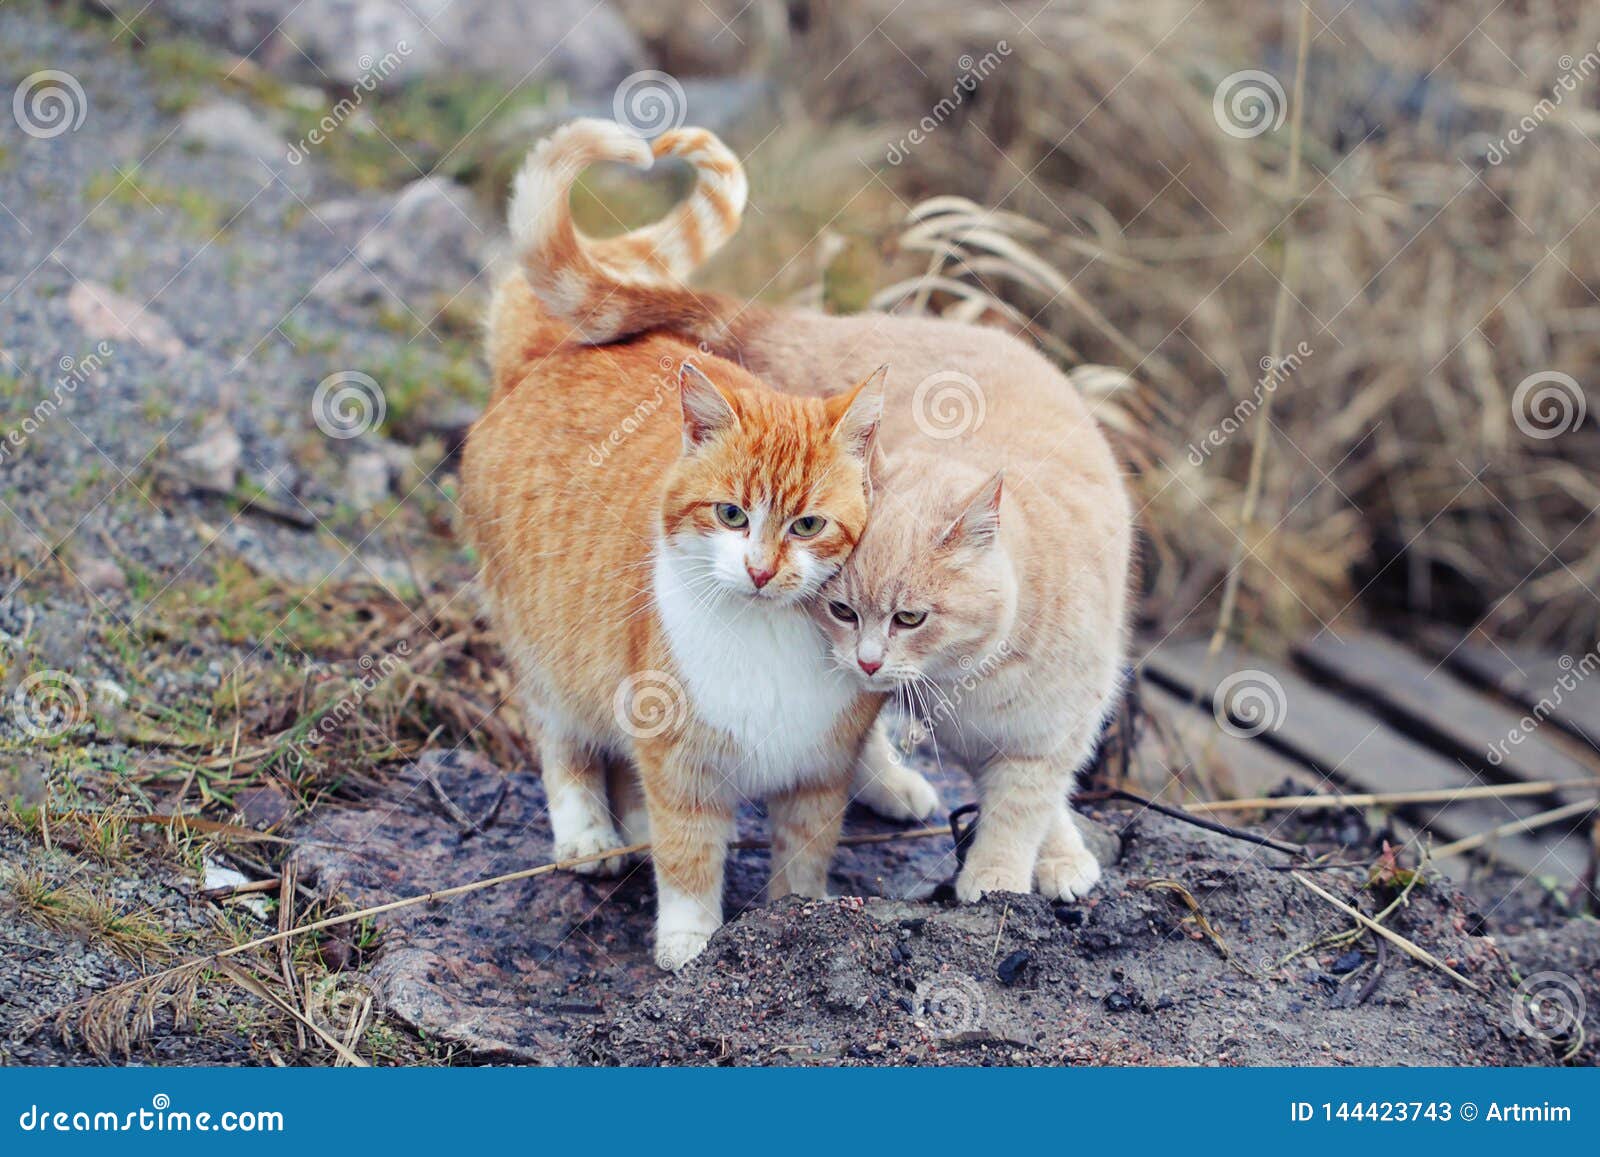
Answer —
808 526
731 516
910 618
842 612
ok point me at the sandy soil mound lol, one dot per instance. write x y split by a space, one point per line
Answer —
1180 958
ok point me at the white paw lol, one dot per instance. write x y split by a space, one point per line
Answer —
977 880
675 949
589 842
901 795
1067 877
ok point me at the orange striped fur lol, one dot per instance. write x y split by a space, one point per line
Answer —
629 284
591 489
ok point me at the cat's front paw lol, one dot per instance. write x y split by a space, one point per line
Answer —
976 880
675 949
1067 877
589 842
899 794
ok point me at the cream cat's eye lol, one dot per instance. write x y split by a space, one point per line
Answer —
841 612
910 618
731 516
808 526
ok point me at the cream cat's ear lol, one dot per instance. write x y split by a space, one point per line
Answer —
857 426
706 409
979 521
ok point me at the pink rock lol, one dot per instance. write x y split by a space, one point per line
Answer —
105 315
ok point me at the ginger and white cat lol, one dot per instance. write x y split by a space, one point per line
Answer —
654 604
991 585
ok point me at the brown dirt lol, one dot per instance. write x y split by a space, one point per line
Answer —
556 970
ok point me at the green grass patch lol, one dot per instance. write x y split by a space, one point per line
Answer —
129 189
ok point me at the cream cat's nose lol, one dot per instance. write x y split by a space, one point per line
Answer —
870 666
759 576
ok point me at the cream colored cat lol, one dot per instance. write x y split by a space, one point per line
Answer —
991 585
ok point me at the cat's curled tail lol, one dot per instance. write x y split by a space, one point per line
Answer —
614 288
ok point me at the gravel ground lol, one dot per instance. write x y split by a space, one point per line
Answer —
163 332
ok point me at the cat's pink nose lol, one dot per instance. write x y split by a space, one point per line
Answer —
870 666
759 577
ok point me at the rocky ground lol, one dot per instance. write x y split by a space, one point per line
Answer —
234 361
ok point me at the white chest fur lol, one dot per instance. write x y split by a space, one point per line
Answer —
757 672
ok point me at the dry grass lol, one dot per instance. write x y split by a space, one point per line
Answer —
1426 282
76 908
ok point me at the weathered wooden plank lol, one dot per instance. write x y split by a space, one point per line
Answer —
1428 701
1234 767
1244 768
1564 688
1347 743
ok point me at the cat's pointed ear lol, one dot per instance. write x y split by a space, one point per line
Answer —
978 524
706 409
859 412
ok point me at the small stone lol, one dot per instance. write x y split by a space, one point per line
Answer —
100 574
427 247
263 807
213 460
106 315
1118 1002
367 480
1348 962
1012 966
109 694
228 126
1071 917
